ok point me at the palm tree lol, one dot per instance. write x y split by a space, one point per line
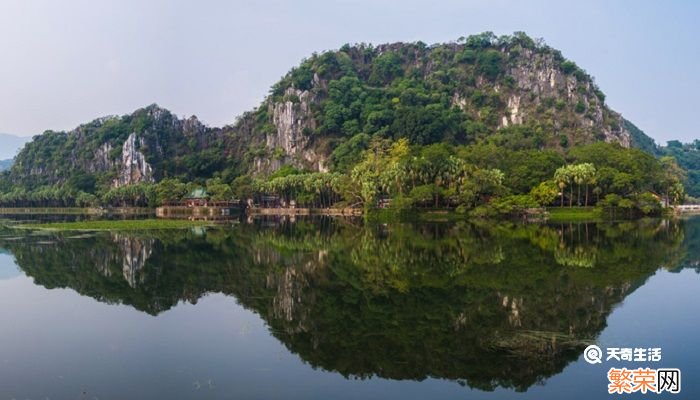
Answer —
597 191
562 177
589 176
578 175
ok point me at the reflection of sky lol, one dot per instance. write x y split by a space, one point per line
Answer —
662 313
57 344
8 268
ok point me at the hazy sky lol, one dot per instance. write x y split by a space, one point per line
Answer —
66 62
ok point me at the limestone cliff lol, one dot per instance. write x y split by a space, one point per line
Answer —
511 90
289 142
133 168
294 122
505 88
540 80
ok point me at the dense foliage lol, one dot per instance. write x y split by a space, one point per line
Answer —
456 92
401 176
466 125
688 157
62 168
504 181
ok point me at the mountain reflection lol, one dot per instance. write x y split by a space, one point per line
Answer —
493 305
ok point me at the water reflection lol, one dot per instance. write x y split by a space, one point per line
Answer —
492 305
8 269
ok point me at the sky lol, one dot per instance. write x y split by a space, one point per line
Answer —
69 62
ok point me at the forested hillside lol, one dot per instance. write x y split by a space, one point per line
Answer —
460 124
688 157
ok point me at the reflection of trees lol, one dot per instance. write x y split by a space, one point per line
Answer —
511 320
403 257
575 256
496 305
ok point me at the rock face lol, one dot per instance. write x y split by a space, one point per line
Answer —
192 128
502 84
539 79
102 159
291 118
290 143
478 89
134 168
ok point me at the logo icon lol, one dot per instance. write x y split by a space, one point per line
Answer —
593 354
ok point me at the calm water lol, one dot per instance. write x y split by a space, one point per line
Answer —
333 309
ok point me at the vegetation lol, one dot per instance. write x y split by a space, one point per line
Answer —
688 158
115 225
487 180
574 214
388 92
686 155
482 179
403 126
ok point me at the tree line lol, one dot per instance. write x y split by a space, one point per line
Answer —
483 179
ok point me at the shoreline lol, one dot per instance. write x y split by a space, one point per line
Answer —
75 211
553 214
340 212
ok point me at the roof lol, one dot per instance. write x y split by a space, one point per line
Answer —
198 194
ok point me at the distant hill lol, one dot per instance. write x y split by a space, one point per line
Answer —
508 109
511 91
10 145
640 139
688 157
6 164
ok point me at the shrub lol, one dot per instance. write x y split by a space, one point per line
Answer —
568 67
467 56
563 141
490 64
648 204
545 193
509 205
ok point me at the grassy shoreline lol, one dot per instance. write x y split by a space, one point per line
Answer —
115 225
565 214
553 214
76 211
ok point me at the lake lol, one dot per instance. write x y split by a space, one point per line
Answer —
336 308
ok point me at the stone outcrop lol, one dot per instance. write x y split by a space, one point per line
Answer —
291 117
529 85
539 79
133 168
103 159
291 142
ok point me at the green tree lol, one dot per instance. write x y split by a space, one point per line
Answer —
587 175
562 176
218 190
545 193
671 180
170 189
